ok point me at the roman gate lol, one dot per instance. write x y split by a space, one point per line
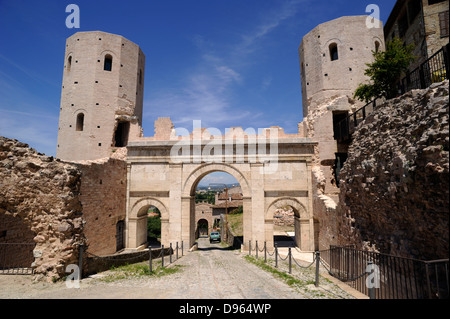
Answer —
272 168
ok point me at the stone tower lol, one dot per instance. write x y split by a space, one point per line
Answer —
101 97
333 59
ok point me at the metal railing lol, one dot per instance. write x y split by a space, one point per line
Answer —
16 258
97 264
434 69
396 277
344 129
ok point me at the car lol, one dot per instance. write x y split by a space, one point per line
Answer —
214 236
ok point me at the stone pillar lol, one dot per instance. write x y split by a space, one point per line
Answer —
311 232
269 233
247 220
258 212
177 208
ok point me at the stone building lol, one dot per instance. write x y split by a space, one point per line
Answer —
333 59
101 97
423 23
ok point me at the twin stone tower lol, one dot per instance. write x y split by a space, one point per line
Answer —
103 87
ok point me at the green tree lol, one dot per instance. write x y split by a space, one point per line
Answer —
385 71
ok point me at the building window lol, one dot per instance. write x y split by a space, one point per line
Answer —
443 23
334 52
108 63
140 77
69 63
121 134
403 25
414 8
377 46
80 122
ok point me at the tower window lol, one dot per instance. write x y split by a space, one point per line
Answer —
334 52
80 122
108 63
121 134
69 63
140 77
377 46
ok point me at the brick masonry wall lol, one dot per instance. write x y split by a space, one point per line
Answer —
103 197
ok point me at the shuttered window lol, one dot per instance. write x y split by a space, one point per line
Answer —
443 23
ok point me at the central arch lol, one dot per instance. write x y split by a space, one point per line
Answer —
188 195
191 182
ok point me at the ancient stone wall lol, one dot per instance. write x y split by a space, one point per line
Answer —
39 203
394 186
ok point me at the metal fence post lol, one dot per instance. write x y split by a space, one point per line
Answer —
265 252
177 250
256 249
290 260
317 268
276 256
162 254
170 252
249 247
150 260
80 260
182 252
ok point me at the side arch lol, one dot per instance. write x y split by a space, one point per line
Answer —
137 222
138 209
299 209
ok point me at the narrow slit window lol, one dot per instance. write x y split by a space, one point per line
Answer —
69 63
108 63
80 122
377 46
334 52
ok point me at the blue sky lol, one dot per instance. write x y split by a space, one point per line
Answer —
227 63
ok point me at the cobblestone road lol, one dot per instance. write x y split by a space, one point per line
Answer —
211 272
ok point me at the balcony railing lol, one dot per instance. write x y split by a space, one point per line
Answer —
433 70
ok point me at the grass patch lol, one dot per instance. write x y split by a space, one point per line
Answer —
139 270
288 279
235 223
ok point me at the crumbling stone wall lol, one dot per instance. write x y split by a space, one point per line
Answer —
395 184
40 195
59 205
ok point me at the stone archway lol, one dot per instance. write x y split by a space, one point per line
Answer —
136 229
202 228
188 197
302 221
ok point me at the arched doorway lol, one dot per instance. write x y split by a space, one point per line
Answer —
299 234
137 229
189 191
202 228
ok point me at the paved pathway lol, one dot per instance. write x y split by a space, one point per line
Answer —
211 272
